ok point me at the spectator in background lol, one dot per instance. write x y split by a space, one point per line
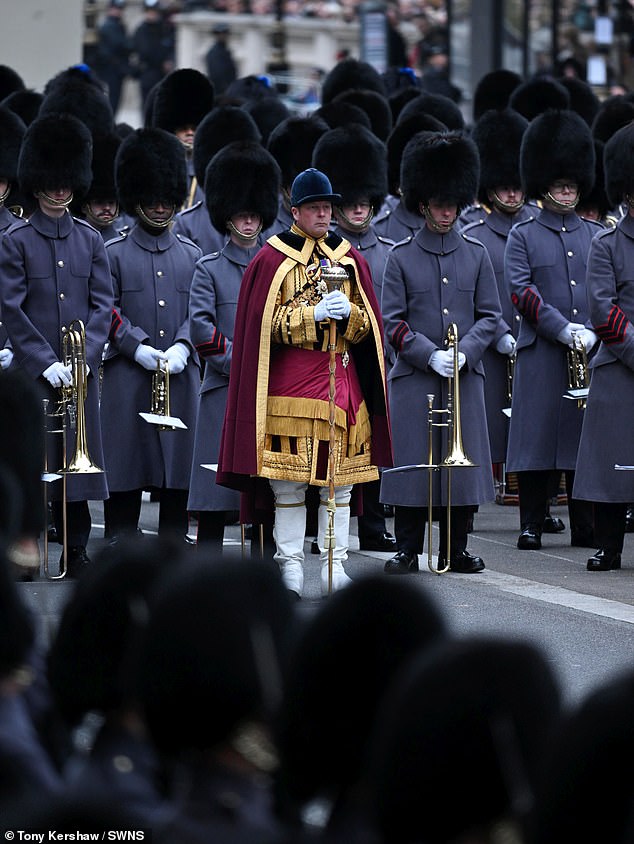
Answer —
435 76
396 47
221 67
113 52
153 45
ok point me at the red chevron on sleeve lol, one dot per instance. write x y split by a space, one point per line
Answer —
216 346
614 328
115 324
527 304
398 335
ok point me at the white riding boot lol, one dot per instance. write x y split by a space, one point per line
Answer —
288 534
342 527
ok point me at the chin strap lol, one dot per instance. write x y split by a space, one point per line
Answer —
153 224
99 222
563 206
5 194
437 227
58 203
356 227
507 207
248 239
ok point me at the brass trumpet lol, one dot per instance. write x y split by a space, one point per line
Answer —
455 457
159 414
72 411
578 374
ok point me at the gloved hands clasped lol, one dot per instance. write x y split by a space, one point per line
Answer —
58 375
441 362
147 356
334 305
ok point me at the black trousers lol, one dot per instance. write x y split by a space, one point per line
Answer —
535 491
78 522
211 531
124 509
609 525
410 524
371 524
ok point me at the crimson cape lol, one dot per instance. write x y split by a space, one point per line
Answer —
242 440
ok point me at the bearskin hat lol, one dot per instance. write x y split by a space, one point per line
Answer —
242 176
538 95
104 153
249 88
26 104
150 166
223 125
397 79
74 93
613 113
439 106
292 143
76 73
351 74
182 99
399 99
494 90
355 161
556 145
498 137
12 131
442 166
268 114
618 162
583 100
10 81
375 106
56 152
400 135
598 197
340 113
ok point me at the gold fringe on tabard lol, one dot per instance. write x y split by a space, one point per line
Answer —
290 416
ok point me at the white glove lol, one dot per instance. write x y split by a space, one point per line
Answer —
6 356
506 345
441 362
57 374
462 359
565 335
177 356
146 356
321 311
338 304
589 339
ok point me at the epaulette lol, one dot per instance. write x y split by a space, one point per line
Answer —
595 223
605 232
125 231
471 225
403 242
474 240
186 240
84 223
18 223
212 256
190 209
530 219
387 240
119 238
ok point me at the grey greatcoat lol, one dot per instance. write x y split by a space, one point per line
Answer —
212 312
194 223
431 281
151 278
607 436
397 223
55 271
7 219
545 268
492 229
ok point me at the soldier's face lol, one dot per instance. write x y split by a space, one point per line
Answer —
356 213
565 191
443 214
246 223
509 195
104 210
185 135
313 217
158 212
54 202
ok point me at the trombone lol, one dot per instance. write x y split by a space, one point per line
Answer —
578 375
72 410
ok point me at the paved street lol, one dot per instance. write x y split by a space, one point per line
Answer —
583 620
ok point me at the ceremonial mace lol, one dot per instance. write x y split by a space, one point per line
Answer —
334 276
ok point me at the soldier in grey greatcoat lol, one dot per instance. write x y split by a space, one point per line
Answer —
498 136
432 280
151 271
607 435
100 206
12 131
545 269
242 185
54 271
223 125
181 101
355 160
